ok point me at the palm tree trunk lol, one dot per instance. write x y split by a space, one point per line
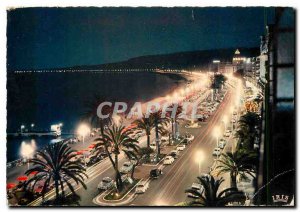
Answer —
148 139
157 141
56 189
119 182
132 172
233 180
62 189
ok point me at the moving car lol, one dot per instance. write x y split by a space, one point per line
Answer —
197 187
141 187
154 173
105 184
217 151
168 160
127 167
180 147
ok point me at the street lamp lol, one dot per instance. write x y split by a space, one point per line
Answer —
32 125
199 157
83 130
217 134
22 128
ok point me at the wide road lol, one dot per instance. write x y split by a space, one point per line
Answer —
169 189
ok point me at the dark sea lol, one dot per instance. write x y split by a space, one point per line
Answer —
51 98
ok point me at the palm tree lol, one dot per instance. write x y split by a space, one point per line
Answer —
90 113
247 131
236 164
210 197
56 164
218 80
160 124
243 138
145 124
175 117
116 140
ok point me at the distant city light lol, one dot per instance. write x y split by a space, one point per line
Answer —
216 61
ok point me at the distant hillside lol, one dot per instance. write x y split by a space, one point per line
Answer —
176 60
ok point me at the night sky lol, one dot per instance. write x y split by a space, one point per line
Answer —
40 38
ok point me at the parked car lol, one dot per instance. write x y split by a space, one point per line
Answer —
174 153
105 184
198 187
94 160
154 173
223 140
185 142
141 187
127 167
221 145
217 151
190 137
227 133
205 175
164 138
168 160
180 147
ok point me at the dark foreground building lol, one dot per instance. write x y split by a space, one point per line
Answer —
277 171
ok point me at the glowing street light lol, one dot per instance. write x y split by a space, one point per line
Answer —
32 125
199 158
27 150
182 92
117 120
83 130
176 95
22 128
